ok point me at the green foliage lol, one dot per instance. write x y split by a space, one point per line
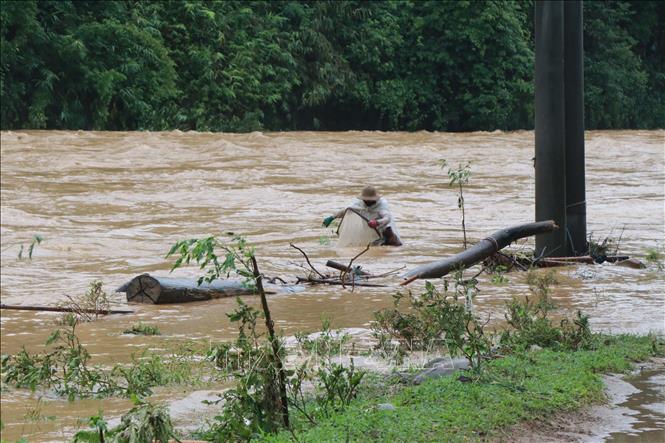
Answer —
237 258
231 357
327 342
98 434
253 65
335 387
599 248
654 256
460 178
499 275
89 306
435 320
36 239
614 76
252 406
142 329
79 65
64 367
531 323
145 422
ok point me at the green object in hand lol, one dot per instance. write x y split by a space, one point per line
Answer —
328 220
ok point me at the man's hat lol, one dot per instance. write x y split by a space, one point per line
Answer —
369 194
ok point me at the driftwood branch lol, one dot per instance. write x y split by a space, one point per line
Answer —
525 264
64 309
308 262
385 274
480 251
336 282
341 267
343 275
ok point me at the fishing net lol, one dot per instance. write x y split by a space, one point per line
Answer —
353 231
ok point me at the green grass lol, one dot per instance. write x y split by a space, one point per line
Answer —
519 387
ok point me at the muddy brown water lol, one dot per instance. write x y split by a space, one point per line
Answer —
110 204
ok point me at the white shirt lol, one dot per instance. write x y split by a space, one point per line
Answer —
379 211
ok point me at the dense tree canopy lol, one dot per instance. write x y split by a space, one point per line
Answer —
291 65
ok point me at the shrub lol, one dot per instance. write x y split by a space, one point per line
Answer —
529 319
435 320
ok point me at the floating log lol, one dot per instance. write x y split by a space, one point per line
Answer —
581 259
480 251
563 261
64 309
618 260
341 267
147 288
336 282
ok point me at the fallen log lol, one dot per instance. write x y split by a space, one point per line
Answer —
524 264
65 309
588 259
581 259
147 288
480 251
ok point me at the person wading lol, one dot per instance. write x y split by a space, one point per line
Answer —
374 208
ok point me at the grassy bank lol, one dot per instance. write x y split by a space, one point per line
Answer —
523 386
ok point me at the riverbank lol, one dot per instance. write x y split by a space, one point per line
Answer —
634 412
524 387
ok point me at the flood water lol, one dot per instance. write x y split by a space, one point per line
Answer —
109 205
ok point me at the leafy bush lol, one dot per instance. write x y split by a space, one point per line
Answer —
435 320
65 368
531 324
326 343
145 422
252 406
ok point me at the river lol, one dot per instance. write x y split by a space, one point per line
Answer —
110 204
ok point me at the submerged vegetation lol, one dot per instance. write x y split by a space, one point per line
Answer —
329 65
88 306
64 367
145 422
142 329
36 240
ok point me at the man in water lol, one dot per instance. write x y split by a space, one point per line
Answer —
374 208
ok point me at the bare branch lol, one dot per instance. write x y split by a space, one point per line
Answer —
343 275
308 262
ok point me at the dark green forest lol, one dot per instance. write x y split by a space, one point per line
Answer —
308 65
